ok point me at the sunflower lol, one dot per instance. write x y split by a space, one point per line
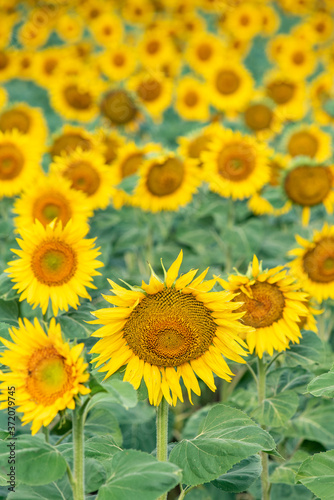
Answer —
270 21
138 11
153 91
154 48
273 306
19 162
47 64
314 263
261 118
245 20
192 146
307 140
298 59
276 46
50 197
130 159
3 97
107 29
7 65
69 27
288 94
48 375
322 25
26 120
118 62
166 183
32 36
54 263
87 173
110 143
192 101
69 139
321 91
203 52
230 86
236 165
167 330
25 64
119 108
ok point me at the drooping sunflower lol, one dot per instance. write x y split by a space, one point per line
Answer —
50 197
168 330
192 101
314 263
69 139
166 183
118 62
273 306
88 173
48 375
235 165
288 94
54 263
307 140
27 120
19 162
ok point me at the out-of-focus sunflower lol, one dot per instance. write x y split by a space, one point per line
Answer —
298 59
130 159
321 92
165 331
322 26
119 109
314 263
154 48
46 372
7 64
236 165
107 29
25 64
153 91
262 118
32 36
19 162
270 20
47 64
138 11
192 101
192 146
50 197
273 306
307 140
118 62
203 52
288 94
166 183
69 139
298 7
276 46
69 27
245 20
26 120
88 173
3 98
54 263
110 142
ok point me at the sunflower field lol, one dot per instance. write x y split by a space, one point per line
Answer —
166 249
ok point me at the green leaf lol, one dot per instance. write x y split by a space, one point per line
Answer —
228 436
101 449
6 288
276 411
309 351
118 392
286 472
46 492
322 385
241 476
317 474
9 311
138 475
102 421
37 462
73 329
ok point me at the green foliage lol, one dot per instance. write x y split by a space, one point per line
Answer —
322 385
276 411
241 476
317 474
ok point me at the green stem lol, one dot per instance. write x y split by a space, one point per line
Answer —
261 391
162 435
46 434
78 454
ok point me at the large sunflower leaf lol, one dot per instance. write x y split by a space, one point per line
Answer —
322 385
286 472
227 437
309 351
276 411
241 476
317 474
138 475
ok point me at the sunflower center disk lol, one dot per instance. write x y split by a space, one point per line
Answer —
48 376
303 143
11 161
165 179
227 82
77 99
83 177
319 262
308 186
15 118
198 145
69 142
118 107
258 117
281 92
49 206
149 90
132 164
169 328
236 162
119 60
264 308
204 52
54 263
4 60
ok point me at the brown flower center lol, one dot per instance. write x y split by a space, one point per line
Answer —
111 149
131 165
191 98
83 177
198 145
204 51
236 161
308 186
119 60
244 20
15 118
298 57
4 60
48 377
149 90
258 117
281 92
51 205
169 328
118 107
264 308
303 143
318 263
53 263
50 65
164 179
153 47
69 142
77 98
11 161
227 82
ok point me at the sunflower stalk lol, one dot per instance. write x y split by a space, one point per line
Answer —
261 390
162 435
78 453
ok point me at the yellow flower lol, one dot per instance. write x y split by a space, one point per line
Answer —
298 59
54 263
203 52
314 263
47 64
107 29
308 140
276 46
262 118
48 375
244 20
166 183
19 162
119 108
3 98
155 48
299 7
321 91
110 143
88 173
25 64
69 27
192 146
50 197
138 11
69 139
118 62
192 101
288 94
32 36
273 306
270 21
7 65
235 165
167 330
26 120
